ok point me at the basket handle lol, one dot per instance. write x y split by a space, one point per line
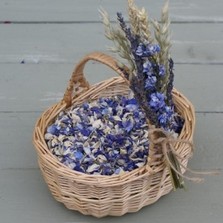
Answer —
78 74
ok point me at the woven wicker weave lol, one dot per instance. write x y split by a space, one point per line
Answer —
107 195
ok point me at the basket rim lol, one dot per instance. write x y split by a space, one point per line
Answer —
120 178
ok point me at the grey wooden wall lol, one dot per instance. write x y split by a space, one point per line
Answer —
40 42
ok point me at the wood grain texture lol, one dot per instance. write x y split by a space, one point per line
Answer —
85 10
66 43
35 87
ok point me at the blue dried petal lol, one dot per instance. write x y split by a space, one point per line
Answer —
147 50
132 101
96 110
139 154
105 111
54 130
157 101
66 120
151 49
88 160
78 155
130 166
140 50
111 103
79 168
150 82
107 171
67 131
147 67
163 120
128 125
85 106
86 132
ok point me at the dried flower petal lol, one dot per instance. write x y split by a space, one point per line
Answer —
101 137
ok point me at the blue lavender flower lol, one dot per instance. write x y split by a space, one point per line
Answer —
150 82
147 50
147 67
157 101
170 83
152 49
161 70
132 39
140 50
164 119
147 83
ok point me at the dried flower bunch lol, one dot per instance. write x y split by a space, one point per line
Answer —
110 135
148 59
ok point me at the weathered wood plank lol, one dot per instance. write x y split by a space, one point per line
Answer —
17 150
64 43
34 87
85 10
16 140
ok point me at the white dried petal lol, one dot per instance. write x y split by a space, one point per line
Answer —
121 162
54 142
97 124
68 143
117 118
61 138
119 171
96 145
101 158
66 152
107 130
92 168
143 141
49 136
71 165
87 150
140 164
123 151
75 118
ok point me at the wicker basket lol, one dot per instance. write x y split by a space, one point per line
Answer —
108 195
